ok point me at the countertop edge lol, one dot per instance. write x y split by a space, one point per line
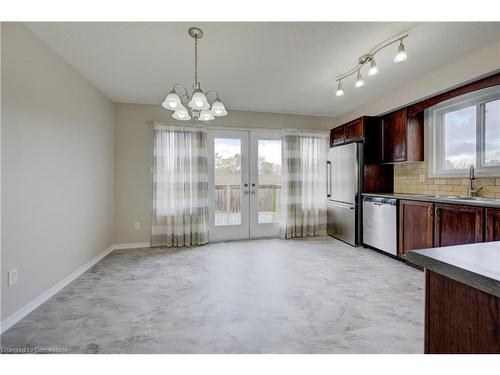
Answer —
470 278
426 198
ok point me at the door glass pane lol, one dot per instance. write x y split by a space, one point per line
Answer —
227 178
227 190
460 138
269 175
492 133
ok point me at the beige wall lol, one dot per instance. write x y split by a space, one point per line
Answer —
134 157
469 67
57 168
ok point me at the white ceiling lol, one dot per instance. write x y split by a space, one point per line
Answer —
266 67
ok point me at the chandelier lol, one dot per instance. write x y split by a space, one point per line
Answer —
197 101
369 58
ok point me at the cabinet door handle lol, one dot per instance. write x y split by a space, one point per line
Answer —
429 211
436 213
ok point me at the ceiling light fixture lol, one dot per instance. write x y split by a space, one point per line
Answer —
373 68
340 90
197 101
369 57
359 80
401 56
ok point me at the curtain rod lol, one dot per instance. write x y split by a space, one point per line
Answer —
151 122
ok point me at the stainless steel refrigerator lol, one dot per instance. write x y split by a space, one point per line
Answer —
344 186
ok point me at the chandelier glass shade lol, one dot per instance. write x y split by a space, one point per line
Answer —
179 99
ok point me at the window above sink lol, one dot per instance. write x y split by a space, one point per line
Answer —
464 131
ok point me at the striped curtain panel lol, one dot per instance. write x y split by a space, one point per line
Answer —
303 199
180 187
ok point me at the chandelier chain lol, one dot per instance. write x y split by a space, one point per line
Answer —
196 63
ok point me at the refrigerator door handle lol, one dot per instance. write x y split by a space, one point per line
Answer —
328 179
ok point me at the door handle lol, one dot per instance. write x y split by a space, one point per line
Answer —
245 185
253 191
329 179
245 192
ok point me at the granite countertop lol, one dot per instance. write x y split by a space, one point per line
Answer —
481 202
476 265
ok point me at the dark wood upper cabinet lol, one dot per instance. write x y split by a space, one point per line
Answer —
360 129
402 137
492 224
416 226
457 225
337 136
354 130
394 136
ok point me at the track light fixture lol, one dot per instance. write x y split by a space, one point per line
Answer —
369 57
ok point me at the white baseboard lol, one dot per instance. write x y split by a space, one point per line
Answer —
137 245
28 308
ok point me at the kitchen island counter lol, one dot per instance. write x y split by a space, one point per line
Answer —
462 297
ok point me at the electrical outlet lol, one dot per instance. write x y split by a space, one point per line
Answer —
137 225
12 277
421 178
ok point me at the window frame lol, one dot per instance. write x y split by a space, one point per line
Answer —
435 137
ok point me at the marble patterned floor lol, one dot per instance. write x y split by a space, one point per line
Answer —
314 295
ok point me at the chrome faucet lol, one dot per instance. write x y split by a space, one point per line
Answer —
471 192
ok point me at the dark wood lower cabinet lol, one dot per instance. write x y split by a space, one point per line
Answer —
416 226
459 318
456 224
492 224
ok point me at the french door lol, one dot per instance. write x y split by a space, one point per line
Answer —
244 184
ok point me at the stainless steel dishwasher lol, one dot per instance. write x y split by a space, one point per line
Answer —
380 223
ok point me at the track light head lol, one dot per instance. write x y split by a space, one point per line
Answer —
373 68
340 90
401 56
359 80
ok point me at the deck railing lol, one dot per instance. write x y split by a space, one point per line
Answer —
227 204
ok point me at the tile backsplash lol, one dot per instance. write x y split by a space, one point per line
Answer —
407 179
